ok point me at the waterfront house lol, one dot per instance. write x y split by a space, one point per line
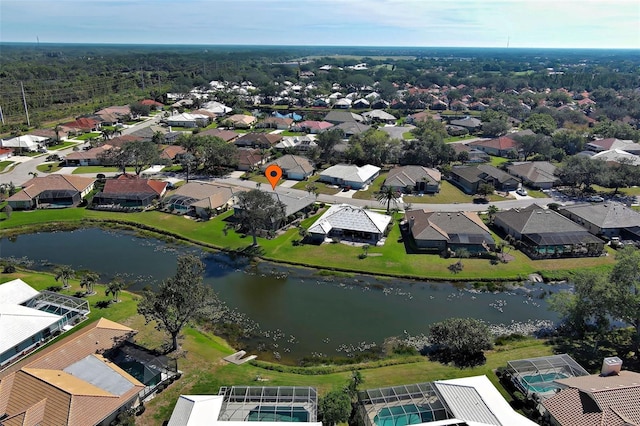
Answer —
51 191
350 223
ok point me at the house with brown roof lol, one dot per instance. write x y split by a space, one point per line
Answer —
293 167
469 178
201 199
155 105
241 121
170 152
414 179
449 231
70 382
90 157
282 123
501 147
249 158
602 400
82 124
129 191
314 127
226 135
257 140
52 191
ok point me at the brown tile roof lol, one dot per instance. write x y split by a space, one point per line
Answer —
151 102
597 400
501 143
35 186
120 141
242 119
258 139
125 184
171 151
225 135
294 164
249 157
88 154
82 123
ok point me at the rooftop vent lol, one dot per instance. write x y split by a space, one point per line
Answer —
611 366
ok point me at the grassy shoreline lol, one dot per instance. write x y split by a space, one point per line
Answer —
390 260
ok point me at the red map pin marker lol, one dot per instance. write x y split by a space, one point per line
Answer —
273 174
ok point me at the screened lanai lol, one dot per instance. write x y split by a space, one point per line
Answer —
269 404
537 375
72 309
402 405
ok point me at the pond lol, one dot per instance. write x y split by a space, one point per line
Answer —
295 311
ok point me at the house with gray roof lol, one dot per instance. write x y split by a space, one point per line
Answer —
344 221
544 233
444 232
379 116
469 178
535 174
414 179
293 167
350 175
296 205
351 128
341 116
605 219
201 199
470 123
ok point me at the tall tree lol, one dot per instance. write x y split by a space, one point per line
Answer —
64 273
179 300
388 195
540 123
461 339
335 407
259 210
326 141
115 287
89 281
140 155
625 286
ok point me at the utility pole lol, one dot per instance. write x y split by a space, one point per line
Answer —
1 115
24 101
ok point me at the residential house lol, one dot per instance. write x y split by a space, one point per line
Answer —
239 404
217 108
469 178
281 123
475 155
342 103
379 116
351 128
314 127
257 140
5 153
149 133
90 157
293 167
544 233
187 120
29 318
201 199
414 179
51 191
24 143
350 175
296 143
361 103
449 231
82 124
472 401
535 174
296 205
604 400
154 105
422 116
228 136
129 191
600 145
618 156
337 117
504 146
607 220
470 123
241 121
249 159
171 151
351 223
110 116
71 382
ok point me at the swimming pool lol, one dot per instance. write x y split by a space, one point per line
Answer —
541 382
278 414
402 415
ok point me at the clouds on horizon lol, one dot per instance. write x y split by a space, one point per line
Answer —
469 23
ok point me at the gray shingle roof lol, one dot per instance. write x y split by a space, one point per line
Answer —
534 171
455 227
347 217
409 175
608 215
293 164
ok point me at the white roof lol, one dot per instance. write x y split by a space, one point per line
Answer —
18 323
216 107
16 292
380 114
345 216
204 410
617 155
351 173
187 117
24 141
476 401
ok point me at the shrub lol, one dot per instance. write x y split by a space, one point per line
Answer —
9 269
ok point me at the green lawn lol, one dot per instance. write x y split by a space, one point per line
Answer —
62 145
370 192
49 167
98 169
390 259
4 165
448 194
459 138
290 133
496 161
322 188
87 136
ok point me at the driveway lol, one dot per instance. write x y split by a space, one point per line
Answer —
288 183
346 194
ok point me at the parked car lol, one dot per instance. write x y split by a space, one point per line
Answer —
521 191
595 199
53 157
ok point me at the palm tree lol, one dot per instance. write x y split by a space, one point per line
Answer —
57 130
34 174
64 273
312 188
388 195
89 280
491 211
114 288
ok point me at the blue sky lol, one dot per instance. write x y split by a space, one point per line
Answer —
468 23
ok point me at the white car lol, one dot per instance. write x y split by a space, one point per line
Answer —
521 191
596 199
